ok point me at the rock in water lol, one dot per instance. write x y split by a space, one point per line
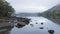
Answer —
41 28
42 23
51 31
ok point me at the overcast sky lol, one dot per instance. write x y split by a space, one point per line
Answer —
32 5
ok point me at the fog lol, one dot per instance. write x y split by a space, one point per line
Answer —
32 6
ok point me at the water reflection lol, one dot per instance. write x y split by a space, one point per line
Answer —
6 30
53 18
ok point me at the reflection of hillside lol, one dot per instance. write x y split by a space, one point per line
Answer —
57 21
53 14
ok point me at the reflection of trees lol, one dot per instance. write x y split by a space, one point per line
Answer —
52 15
5 30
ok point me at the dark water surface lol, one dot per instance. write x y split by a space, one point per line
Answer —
37 25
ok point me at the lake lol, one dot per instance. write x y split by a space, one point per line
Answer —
37 25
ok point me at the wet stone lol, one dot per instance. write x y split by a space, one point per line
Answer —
42 23
51 31
19 25
41 28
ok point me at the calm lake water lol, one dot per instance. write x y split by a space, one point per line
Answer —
36 27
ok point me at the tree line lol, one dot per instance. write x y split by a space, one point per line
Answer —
6 10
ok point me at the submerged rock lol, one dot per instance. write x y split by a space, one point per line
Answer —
31 25
36 23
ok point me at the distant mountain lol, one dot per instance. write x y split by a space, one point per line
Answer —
54 11
57 7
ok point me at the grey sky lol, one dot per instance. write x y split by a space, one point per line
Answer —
32 5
